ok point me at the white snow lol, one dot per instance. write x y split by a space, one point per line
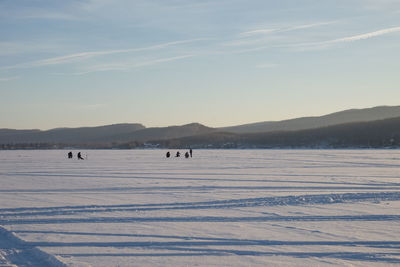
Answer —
219 208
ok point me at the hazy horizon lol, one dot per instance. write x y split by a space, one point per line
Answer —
219 63
167 125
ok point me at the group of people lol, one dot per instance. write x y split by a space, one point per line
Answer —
70 155
178 154
168 155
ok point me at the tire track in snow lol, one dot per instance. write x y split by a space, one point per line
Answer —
310 218
321 199
196 188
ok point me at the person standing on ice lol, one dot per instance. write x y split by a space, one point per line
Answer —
191 152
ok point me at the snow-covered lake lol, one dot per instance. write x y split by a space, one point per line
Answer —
219 208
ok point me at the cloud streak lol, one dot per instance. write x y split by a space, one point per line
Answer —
365 35
261 39
5 79
284 29
262 36
126 66
71 58
349 39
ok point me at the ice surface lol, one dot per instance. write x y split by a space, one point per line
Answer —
219 208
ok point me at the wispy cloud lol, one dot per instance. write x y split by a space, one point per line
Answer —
348 39
124 66
48 15
258 31
5 79
261 39
216 52
265 35
70 58
284 29
365 35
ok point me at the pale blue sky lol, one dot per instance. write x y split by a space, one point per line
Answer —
171 62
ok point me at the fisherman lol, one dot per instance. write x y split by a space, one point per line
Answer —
168 154
70 155
187 155
191 152
178 154
79 155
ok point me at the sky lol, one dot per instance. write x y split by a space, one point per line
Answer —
171 62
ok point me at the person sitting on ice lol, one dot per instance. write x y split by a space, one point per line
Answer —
178 154
168 154
79 155
187 155
70 155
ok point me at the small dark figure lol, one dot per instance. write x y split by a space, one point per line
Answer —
79 155
191 152
70 155
178 154
187 155
168 154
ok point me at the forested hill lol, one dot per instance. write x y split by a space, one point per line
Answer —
68 135
373 127
375 134
341 117
109 136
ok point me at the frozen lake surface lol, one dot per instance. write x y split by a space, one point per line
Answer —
219 208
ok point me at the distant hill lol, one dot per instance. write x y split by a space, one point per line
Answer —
375 134
101 135
161 133
347 116
68 135
371 127
10 132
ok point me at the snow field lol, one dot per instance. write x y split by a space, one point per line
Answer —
219 208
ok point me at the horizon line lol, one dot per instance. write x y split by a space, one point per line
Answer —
193 122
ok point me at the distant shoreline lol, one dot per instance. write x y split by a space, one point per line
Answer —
197 149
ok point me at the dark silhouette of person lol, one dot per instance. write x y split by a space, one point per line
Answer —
168 154
70 155
79 155
187 155
191 152
178 154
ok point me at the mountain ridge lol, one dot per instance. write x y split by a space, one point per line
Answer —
67 135
309 122
373 134
101 134
136 133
